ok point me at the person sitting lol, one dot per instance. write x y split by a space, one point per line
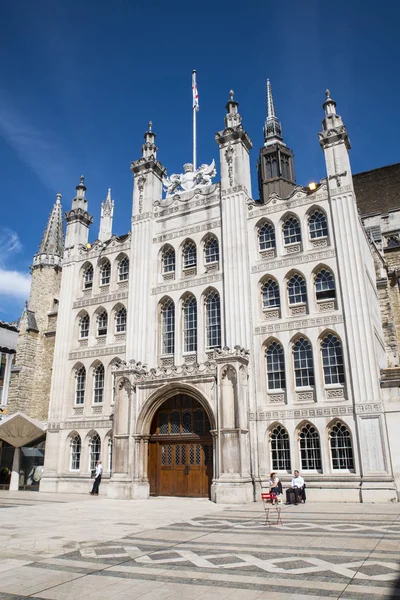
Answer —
274 485
297 487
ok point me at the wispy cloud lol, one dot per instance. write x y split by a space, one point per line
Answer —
13 283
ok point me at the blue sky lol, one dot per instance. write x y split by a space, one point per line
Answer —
81 79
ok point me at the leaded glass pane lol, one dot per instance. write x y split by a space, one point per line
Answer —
76 453
105 273
280 449
123 269
332 360
168 260
266 237
275 367
324 285
341 447
270 294
169 455
198 454
84 326
80 385
297 290
102 321
191 454
187 422
211 251
88 278
198 418
303 363
291 231
168 327
95 451
163 421
98 384
213 320
189 255
310 448
175 422
318 225
120 320
190 325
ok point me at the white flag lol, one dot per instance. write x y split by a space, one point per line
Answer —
195 92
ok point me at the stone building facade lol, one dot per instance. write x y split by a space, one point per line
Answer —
223 338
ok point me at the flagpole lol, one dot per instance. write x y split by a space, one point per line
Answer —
194 86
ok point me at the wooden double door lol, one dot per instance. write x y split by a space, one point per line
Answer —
180 450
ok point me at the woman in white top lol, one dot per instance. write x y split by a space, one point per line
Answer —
274 483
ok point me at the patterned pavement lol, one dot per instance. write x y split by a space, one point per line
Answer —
341 551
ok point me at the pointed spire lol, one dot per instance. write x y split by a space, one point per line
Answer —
233 118
272 127
81 188
52 245
329 105
149 147
333 128
106 218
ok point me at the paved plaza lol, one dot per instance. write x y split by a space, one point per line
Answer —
74 546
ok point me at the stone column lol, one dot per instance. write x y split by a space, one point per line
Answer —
14 481
146 457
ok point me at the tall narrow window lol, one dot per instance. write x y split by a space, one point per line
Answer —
94 451
88 278
310 448
266 237
80 383
190 325
303 363
324 285
120 320
332 360
105 273
280 449
213 320
168 260
123 269
168 327
84 326
110 453
270 294
291 231
341 447
75 456
98 384
211 251
318 225
189 255
102 321
275 367
297 290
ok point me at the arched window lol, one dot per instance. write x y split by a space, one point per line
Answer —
332 360
341 447
102 320
120 320
98 384
168 327
168 260
105 272
213 320
123 269
190 325
266 237
275 366
291 231
324 285
84 326
310 448
189 255
211 251
280 449
270 294
94 451
75 456
318 225
297 290
80 383
88 278
110 453
303 363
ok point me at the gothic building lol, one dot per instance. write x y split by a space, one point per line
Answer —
222 337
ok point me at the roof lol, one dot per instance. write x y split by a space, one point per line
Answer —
378 191
10 326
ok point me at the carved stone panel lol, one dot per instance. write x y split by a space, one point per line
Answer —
319 243
276 398
334 394
293 249
298 310
168 276
267 254
96 410
167 361
269 315
327 306
190 272
212 267
305 396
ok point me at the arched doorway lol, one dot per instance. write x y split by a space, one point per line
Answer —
180 449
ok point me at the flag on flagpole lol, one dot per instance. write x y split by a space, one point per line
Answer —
195 92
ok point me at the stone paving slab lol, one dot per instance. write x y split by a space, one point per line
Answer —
58 547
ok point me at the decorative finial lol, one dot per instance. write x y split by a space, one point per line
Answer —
150 126
327 95
82 179
270 101
109 195
58 198
231 94
26 304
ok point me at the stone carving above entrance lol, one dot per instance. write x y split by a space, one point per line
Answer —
141 372
190 179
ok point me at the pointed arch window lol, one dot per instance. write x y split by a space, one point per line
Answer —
84 325
102 322
310 448
324 285
88 278
75 453
123 269
98 384
275 367
190 325
105 273
303 363
211 251
94 451
168 260
189 255
80 384
280 449
266 237
270 295
291 231
120 320
332 360
213 320
318 225
341 447
168 327
297 290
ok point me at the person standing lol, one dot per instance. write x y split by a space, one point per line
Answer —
97 480
296 486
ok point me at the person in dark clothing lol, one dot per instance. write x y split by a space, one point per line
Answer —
97 480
